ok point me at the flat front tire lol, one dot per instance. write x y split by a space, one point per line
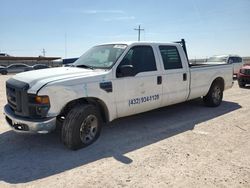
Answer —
214 96
81 127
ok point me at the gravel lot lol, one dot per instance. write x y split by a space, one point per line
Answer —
185 145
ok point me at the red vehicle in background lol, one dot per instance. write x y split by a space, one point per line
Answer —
244 76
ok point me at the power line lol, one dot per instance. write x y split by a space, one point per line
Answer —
139 32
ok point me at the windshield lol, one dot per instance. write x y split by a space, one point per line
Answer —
102 57
217 59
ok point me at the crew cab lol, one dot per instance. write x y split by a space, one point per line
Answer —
108 82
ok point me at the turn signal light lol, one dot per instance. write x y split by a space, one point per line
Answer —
42 99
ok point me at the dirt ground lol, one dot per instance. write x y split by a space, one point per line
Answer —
185 145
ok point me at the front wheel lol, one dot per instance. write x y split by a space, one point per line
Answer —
214 96
4 72
81 127
241 84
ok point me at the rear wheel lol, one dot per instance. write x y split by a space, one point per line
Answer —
214 96
81 127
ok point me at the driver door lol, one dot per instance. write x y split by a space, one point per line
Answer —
141 91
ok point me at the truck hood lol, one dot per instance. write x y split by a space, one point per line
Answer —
246 67
39 78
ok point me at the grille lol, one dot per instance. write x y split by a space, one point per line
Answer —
12 97
247 71
17 96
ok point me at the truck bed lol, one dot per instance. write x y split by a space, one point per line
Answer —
202 75
205 65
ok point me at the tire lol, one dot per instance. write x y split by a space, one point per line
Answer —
81 127
214 95
241 84
4 72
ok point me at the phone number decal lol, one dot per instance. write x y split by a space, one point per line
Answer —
141 100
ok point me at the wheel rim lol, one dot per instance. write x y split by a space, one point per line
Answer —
217 94
88 129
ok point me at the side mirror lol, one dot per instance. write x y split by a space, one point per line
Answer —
125 71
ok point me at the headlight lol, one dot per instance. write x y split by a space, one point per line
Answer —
242 71
43 105
39 105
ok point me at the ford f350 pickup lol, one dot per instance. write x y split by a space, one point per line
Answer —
107 82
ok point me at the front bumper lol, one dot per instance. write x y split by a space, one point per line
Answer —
244 78
20 124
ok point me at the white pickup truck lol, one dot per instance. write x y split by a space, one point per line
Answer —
107 82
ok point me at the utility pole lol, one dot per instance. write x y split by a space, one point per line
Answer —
43 52
139 32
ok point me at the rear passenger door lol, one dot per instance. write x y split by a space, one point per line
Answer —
142 91
175 80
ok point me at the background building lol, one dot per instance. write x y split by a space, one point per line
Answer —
6 60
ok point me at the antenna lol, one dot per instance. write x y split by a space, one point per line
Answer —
139 32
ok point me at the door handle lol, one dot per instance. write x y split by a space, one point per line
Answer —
184 76
159 80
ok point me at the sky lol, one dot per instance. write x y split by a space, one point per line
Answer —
68 28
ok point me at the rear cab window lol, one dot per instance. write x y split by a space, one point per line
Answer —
170 57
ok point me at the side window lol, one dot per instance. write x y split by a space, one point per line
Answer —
170 57
238 60
141 58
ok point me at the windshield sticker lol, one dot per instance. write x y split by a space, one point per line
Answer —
140 100
121 46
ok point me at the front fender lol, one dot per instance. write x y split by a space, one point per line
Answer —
60 95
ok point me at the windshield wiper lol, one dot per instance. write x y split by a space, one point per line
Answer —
85 66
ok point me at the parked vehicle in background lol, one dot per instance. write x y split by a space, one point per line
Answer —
244 76
108 82
39 66
68 65
2 69
68 61
16 68
4 55
231 59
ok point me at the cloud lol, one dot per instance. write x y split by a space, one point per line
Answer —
103 12
121 18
